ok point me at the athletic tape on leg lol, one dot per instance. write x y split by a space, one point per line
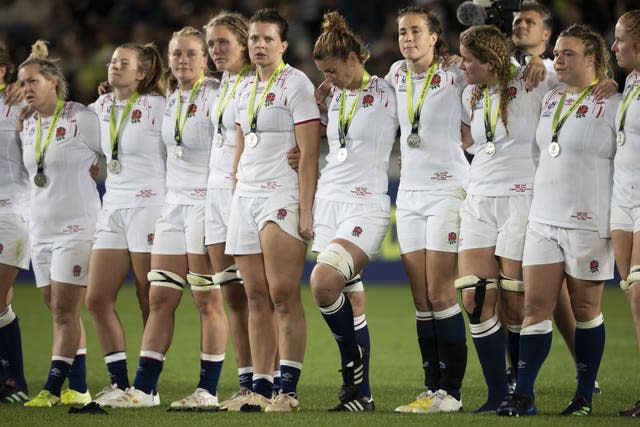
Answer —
511 285
230 276
480 286
339 258
165 278
201 282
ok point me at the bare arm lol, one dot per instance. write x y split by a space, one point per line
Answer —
307 137
236 157
467 139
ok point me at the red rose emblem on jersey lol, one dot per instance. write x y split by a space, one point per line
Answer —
452 237
367 101
594 265
435 81
511 93
282 214
77 270
582 111
150 237
268 100
60 133
136 115
193 108
357 231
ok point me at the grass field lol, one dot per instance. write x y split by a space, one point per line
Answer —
396 375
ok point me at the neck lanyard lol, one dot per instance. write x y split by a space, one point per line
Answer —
414 116
116 130
490 120
252 111
181 118
558 121
225 97
622 112
345 122
3 86
40 150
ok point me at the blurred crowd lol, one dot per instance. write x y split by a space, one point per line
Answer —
83 33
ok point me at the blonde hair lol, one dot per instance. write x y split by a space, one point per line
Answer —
193 33
593 45
488 44
237 24
150 63
49 68
337 40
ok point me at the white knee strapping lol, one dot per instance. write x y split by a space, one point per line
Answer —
167 279
632 278
339 258
590 324
543 327
230 276
472 281
201 282
7 317
511 285
354 285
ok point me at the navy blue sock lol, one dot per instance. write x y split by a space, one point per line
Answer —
339 317
245 377
117 367
364 340
452 349
11 351
263 386
535 343
488 339
514 349
426 331
589 348
210 373
57 374
149 369
277 381
78 373
289 376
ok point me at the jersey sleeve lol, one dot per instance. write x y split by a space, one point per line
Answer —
466 105
89 127
302 100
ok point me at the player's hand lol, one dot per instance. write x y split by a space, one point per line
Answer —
13 94
534 73
94 171
305 225
104 87
450 61
321 94
293 157
605 89
24 113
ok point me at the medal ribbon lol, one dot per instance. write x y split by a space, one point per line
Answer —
252 114
116 131
181 118
414 116
224 98
490 120
344 123
558 122
40 151
625 106
3 86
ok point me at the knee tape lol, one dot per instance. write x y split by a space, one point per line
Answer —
480 285
201 282
230 276
7 317
165 278
354 285
632 278
511 285
339 258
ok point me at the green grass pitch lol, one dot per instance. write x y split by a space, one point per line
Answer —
396 373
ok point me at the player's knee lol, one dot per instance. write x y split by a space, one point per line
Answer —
201 282
165 278
510 284
229 276
473 302
336 256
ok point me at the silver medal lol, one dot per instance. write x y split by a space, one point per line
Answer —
114 166
217 139
40 179
413 140
251 139
554 149
620 137
342 154
178 152
490 149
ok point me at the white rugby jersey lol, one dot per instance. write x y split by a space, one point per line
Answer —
141 152
264 169
573 190
14 181
362 177
439 161
186 181
511 169
221 161
67 206
626 180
